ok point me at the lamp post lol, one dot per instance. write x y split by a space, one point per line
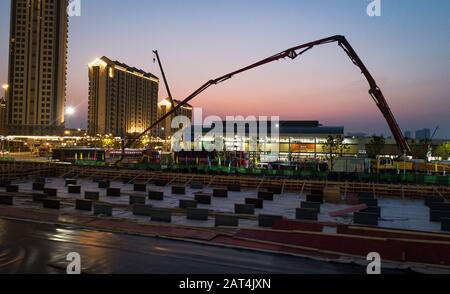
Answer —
70 112
5 88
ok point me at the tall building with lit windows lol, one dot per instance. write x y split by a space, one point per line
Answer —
123 100
37 67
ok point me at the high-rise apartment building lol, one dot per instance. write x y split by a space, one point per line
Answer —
37 67
122 99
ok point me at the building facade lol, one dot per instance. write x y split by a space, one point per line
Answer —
122 99
165 130
37 67
292 140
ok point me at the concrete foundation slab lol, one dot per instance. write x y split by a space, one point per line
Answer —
85 205
136 199
438 215
369 201
38 186
184 204
92 195
4 183
373 209
104 184
142 209
365 195
38 197
51 192
196 186
265 195
71 182
443 206
113 192
51 204
161 215
6 200
317 192
234 188
433 199
310 205
160 183
140 187
227 220
244 209
74 189
445 224
275 190
103 209
12 188
306 214
179 190
203 198
363 218
258 203
220 193
40 180
156 195
197 214
315 198
267 220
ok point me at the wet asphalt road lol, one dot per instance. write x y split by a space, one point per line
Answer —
27 248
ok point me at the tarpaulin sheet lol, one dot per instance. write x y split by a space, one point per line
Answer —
348 211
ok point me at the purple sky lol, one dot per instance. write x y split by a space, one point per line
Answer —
406 50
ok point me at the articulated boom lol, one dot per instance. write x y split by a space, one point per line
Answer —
293 53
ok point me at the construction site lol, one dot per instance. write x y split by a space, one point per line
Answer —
404 217
328 221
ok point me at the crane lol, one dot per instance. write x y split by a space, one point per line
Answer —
166 83
293 53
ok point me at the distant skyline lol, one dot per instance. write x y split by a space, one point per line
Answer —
406 49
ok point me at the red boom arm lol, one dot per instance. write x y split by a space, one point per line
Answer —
375 91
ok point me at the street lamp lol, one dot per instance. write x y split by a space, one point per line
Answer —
70 111
5 88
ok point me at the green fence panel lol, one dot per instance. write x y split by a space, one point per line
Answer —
256 171
430 180
288 173
306 173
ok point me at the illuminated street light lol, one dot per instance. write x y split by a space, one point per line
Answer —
5 88
70 111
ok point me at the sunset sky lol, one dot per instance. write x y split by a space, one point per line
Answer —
407 50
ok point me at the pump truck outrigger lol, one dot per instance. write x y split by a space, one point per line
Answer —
293 53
